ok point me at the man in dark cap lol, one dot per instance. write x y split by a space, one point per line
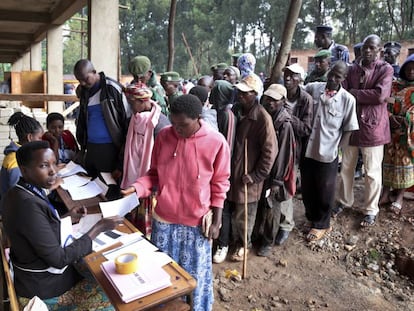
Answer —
322 61
140 68
357 51
391 52
170 81
323 41
218 71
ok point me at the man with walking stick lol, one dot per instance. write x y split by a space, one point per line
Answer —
255 132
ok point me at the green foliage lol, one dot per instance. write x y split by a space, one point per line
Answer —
216 29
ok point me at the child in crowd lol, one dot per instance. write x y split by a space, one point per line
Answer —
27 129
61 141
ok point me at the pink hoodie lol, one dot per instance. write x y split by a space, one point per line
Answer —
191 174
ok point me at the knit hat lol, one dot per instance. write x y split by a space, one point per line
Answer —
139 65
323 54
250 83
134 91
236 71
276 91
170 76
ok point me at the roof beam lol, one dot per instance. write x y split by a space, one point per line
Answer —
14 36
24 16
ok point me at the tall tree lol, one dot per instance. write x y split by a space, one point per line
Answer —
285 45
171 51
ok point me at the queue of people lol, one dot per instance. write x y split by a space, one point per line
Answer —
205 155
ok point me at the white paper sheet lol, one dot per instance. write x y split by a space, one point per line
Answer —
71 169
138 245
85 224
107 177
66 237
74 181
103 240
119 207
87 191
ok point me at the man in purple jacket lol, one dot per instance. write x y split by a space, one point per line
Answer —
369 80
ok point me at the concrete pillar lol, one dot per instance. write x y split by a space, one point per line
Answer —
36 56
17 65
104 36
26 61
55 67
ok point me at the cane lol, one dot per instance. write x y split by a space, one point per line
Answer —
244 274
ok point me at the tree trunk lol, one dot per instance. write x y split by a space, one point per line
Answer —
286 43
171 20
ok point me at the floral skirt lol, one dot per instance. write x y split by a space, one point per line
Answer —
192 251
86 295
397 169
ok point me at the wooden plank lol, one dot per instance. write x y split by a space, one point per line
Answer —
13 302
39 97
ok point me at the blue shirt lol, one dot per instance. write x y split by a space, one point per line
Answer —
98 132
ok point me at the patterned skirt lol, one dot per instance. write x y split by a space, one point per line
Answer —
192 251
398 169
86 295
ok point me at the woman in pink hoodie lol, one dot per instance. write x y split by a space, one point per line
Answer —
190 167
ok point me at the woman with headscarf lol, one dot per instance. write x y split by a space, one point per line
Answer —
246 63
398 168
146 122
221 98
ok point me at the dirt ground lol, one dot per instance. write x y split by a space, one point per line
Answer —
350 269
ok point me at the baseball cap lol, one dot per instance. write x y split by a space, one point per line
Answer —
250 83
276 91
296 68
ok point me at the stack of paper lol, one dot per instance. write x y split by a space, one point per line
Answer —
71 169
147 280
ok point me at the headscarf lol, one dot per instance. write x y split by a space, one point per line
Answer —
236 71
402 69
138 91
246 64
221 95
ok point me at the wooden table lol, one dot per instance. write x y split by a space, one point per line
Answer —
165 300
182 283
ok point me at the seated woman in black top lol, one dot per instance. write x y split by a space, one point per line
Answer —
42 267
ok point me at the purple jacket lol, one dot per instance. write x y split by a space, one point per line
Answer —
370 85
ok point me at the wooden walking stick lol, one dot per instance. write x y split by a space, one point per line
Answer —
244 274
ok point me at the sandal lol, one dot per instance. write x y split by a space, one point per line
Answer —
368 220
396 208
317 234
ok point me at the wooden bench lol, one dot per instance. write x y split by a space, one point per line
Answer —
12 302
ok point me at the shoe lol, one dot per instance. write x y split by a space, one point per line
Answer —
338 209
238 254
220 254
281 237
264 251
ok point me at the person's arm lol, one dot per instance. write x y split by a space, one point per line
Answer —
379 91
219 186
303 125
268 153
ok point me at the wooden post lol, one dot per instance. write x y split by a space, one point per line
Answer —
191 54
244 274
